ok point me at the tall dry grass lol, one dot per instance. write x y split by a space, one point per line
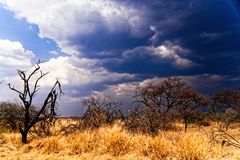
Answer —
113 142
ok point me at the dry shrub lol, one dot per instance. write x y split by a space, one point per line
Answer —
82 142
105 140
2 139
13 138
100 110
155 147
72 128
47 145
193 147
107 129
117 143
44 128
149 121
10 115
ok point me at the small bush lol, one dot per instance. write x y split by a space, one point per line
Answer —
157 147
117 143
10 115
193 147
100 110
148 122
2 139
49 145
82 142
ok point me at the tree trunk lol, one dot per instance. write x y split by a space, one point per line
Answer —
24 137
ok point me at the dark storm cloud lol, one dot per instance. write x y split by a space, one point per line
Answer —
104 44
163 60
140 61
209 29
105 31
160 14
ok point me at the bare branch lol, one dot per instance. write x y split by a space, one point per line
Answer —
13 88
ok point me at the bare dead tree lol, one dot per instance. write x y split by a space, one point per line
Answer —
47 109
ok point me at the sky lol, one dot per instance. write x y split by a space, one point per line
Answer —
114 46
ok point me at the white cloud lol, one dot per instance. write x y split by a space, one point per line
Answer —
123 89
73 71
13 56
63 20
123 93
153 81
173 52
53 52
76 75
166 52
156 35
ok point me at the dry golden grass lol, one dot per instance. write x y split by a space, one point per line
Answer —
113 142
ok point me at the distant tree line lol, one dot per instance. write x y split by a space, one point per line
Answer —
157 106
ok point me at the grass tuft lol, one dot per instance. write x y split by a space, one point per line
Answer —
193 147
82 142
117 143
157 147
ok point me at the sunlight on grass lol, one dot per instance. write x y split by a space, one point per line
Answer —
114 142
